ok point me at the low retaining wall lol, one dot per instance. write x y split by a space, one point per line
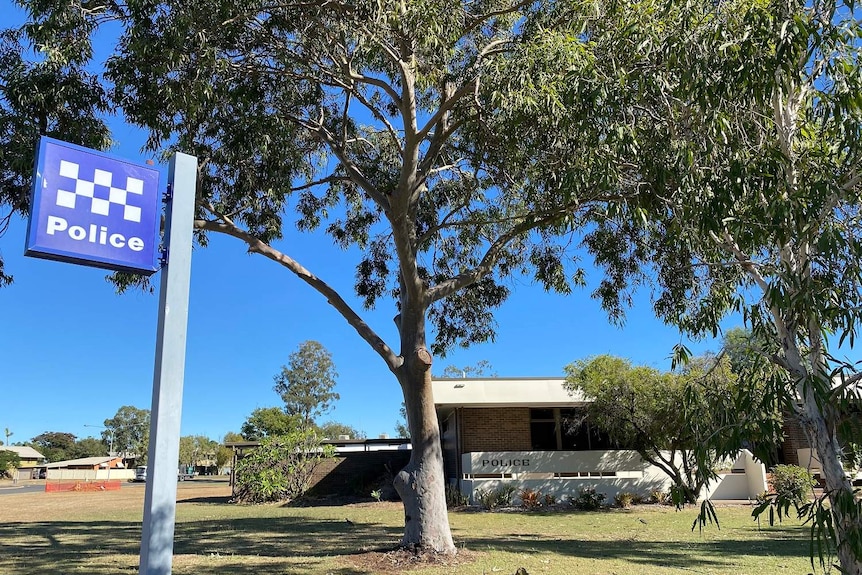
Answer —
564 473
746 480
561 473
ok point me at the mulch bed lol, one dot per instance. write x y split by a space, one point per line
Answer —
397 560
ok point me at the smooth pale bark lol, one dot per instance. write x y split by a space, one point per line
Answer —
848 526
421 484
815 418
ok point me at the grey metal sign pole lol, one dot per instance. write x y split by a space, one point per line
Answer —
160 499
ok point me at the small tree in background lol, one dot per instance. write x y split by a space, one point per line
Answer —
280 469
89 447
9 461
665 417
55 445
482 368
332 429
401 427
306 384
131 431
268 422
194 448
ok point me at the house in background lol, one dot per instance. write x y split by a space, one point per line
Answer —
90 469
31 460
513 431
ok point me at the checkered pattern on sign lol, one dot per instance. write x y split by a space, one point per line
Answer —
86 189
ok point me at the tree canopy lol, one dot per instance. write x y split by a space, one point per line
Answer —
747 131
306 384
62 446
334 429
55 445
268 422
9 460
666 416
130 427
194 448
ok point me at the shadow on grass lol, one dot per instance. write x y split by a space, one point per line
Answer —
790 543
241 546
306 546
215 500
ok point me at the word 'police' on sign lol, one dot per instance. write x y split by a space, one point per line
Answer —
90 208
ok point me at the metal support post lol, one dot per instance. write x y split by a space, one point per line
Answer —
160 499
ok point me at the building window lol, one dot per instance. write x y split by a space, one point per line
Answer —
565 429
543 430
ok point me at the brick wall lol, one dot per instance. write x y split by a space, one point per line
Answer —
356 473
495 429
794 438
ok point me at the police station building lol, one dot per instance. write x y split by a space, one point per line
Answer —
531 433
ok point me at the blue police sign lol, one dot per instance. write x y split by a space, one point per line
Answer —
89 208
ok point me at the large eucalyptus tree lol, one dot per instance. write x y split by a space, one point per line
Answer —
749 125
425 132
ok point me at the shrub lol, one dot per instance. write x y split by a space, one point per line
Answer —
550 499
500 497
589 499
454 497
792 483
851 456
377 495
530 499
280 468
659 496
624 499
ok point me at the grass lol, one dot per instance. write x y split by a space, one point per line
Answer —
99 534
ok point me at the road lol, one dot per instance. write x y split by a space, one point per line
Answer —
7 488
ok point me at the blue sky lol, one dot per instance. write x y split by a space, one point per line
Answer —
72 351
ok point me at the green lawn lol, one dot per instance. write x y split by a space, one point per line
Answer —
99 533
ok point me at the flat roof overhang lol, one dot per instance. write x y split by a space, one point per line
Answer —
503 392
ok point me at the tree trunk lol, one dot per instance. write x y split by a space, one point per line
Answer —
845 512
421 484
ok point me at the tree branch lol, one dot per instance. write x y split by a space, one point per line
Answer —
353 171
326 180
477 21
485 266
255 245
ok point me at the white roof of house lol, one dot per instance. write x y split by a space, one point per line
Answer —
491 392
23 451
83 461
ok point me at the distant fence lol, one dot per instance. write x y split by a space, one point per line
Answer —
112 485
90 474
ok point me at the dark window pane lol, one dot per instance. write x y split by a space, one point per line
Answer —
600 439
575 438
575 434
543 436
542 414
